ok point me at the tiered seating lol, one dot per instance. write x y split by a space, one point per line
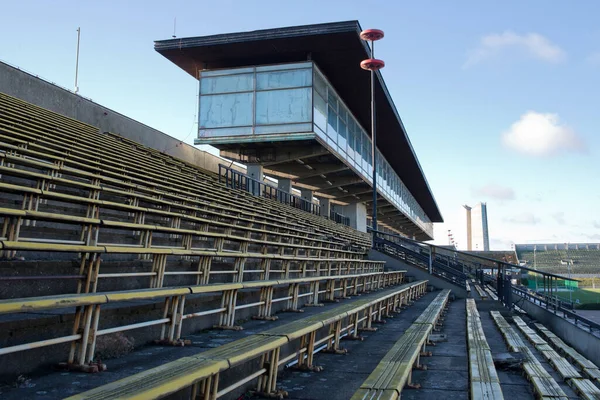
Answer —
587 367
201 372
584 387
70 193
543 383
482 293
394 371
585 260
490 291
485 383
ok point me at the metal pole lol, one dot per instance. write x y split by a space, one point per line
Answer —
77 60
373 148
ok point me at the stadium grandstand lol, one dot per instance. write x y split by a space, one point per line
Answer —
500 255
577 259
133 269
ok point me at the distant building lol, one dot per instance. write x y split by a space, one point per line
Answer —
478 237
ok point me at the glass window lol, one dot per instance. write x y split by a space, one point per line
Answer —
223 110
283 79
320 111
331 122
245 130
357 138
332 100
226 84
343 113
342 128
283 106
320 85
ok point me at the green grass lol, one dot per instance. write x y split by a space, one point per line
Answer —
585 296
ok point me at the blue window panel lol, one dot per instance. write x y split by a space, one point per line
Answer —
226 84
320 111
343 113
226 110
331 123
320 85
358 140
332 99
283 79
342 129
241 131
283 106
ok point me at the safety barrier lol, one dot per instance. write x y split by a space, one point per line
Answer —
202 371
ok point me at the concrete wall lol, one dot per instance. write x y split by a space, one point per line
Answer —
357 212
32 89
417 273
582 341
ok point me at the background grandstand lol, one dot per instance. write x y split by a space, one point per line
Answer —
580 261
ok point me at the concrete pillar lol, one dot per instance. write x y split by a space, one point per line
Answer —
255 171
325 205
357 213
307 195
284 185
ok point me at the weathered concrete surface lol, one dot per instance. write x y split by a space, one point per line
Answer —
581 340
343 374
32 89
418 273
447 374
512 381
54 385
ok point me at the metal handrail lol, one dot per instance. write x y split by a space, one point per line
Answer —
238 180
339 218
436 264
459 253
560 307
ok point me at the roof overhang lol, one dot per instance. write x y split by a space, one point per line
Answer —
338 50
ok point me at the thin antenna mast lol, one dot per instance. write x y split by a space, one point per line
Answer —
77 60
174 27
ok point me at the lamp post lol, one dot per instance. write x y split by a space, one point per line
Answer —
372 64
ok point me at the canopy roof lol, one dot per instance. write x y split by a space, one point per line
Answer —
338 50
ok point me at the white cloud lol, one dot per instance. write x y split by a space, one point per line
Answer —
524 219
541 134
495 191
596 224
559 217
531 44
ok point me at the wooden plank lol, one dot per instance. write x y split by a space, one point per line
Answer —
486 391
585 388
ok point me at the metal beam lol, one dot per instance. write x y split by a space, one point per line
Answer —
350 195
281 155
320 169
323 184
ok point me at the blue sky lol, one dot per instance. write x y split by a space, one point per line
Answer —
500 99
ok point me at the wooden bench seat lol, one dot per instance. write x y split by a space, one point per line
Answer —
543 383
481 292
434 310
88 308
394 371
201 371
585 388
484 380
